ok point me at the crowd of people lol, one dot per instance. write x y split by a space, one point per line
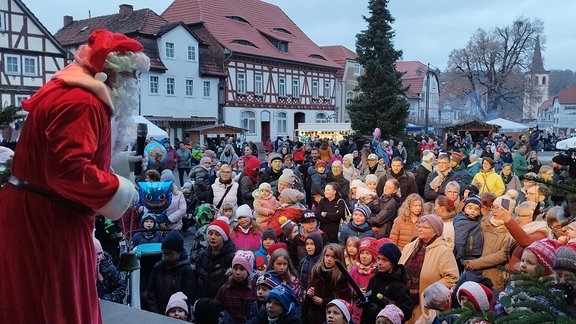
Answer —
445 232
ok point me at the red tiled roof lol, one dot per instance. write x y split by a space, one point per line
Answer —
339 54
567 95
235 22
546 105
414 74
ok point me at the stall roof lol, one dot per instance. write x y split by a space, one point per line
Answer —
324 127
153 130
508 125
217 129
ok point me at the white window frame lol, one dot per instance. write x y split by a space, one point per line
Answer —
170 86
258 84
321 118
25 60
191 53
189 87
241 82
169 50
8 57
315 92
281 118
3 21
206 88
154 85
295 87
282 86
327 88
357 69
19 99
349 96
248 121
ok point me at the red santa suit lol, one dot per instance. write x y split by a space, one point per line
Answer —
47 263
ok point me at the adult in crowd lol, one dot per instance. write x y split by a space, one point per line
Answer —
373 168
335 176
446 210
405 179
519 163
330 211
402 153
248 181
228 155
510 180
248 153
289 206
534 163
426 166
200 178
428 260
437 180
274 170
171 157
224 190
459 168
215 260
184 161
474 166
61 178
489 180
325 151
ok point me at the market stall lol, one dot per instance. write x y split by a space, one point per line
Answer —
333 131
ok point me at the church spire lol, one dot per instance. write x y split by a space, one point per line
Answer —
537 66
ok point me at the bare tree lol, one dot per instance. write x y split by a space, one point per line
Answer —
492 63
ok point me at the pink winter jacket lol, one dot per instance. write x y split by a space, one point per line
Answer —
264 209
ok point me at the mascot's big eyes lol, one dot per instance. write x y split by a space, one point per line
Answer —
161 196
149 197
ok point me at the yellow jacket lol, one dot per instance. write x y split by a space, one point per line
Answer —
491 182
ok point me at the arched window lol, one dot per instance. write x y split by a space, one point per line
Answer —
321 118
349 96
543 80
281 117
248 119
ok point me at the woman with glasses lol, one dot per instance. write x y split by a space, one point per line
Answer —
224 190
428 260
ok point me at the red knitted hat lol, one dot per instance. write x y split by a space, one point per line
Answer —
369 244
221 227
277 246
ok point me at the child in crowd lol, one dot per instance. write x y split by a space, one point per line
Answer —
177 306
280 308
468 236
428 208
318 180
439 298
388 285
326 284
368 197
353 193
238 294
261 256
364 270
338 312
371 182
358 226
281 265
565 271
210 311
390 314
109 283
351 251
245 233
227 211
171 274
264 284
264 205
289 230
447 212
389 202
150 235
477 295
570 231
308 224
404 228
314 246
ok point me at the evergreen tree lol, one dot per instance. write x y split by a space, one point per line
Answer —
382 102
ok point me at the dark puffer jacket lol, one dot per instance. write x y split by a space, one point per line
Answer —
112 287
168 278
211 269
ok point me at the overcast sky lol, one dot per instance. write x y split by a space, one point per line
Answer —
426 31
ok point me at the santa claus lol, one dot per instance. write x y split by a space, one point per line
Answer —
61 179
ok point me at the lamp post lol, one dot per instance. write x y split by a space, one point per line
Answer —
427 99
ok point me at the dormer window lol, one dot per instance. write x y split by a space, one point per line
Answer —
283 46
316 56
282 30
244 42
237 18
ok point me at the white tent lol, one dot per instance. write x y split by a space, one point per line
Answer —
566 144
153 130
508 125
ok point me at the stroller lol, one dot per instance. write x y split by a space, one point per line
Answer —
189 218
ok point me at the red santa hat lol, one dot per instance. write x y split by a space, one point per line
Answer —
480 296
221 227
105 49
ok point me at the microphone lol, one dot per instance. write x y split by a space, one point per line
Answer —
141 134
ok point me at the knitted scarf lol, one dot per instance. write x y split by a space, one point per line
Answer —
439 179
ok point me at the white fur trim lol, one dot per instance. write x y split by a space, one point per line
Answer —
123 198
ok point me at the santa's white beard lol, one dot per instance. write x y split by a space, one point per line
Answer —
125 100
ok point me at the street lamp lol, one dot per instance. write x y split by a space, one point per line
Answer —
428 72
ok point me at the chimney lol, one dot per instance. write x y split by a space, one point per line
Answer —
125 10
68 20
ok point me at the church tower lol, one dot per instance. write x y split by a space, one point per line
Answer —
536 90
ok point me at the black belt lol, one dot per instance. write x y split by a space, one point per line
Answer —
25 185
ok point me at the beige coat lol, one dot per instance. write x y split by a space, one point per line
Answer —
439 265
495 250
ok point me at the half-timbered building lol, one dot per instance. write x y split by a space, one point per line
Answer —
277 77
29 54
